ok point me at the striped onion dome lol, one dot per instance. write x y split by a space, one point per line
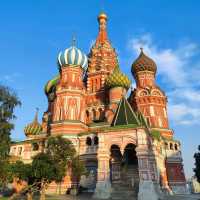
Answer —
74 57
51 84
117 79
143 63
34 128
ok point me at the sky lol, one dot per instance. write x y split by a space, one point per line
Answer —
33 32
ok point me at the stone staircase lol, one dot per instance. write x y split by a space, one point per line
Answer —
128 186
123 192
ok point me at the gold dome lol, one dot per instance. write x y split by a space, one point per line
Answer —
143 63
102 15
117 79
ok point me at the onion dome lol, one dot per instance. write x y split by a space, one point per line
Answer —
143 63
73 57
34 128
51 84
102 15
117 79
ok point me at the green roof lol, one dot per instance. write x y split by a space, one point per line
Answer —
125 114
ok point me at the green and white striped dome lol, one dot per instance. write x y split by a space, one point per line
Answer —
74 57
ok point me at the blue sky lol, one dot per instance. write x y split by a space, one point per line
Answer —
33 32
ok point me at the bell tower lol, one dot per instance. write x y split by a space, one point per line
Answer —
102 60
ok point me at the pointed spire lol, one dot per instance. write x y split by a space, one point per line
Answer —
73 41
102 36
36 116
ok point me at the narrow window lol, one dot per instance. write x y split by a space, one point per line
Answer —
88 141
171 146
96 140
20 151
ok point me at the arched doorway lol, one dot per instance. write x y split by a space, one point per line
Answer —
115 164
129 166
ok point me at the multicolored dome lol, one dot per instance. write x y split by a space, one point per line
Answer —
72 56
117 79
51 84
34 128
143 63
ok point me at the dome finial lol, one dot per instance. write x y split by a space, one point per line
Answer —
73 40
36 115
102 15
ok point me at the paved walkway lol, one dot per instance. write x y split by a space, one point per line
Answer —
184 197
88 197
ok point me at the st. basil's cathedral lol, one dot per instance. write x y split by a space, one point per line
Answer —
121 140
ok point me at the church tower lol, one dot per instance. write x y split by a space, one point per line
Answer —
148 98
68 113
102 60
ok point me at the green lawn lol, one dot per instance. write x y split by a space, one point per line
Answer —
3 198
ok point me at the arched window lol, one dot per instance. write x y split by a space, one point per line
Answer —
87 113
96 140
94 114
171 146
20 151
35 146
101 114
88 141
176 147
166 145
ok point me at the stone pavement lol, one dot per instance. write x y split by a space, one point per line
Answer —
183 197
88 197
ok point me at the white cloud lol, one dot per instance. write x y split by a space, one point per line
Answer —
171 62
178 70
183 114
10 77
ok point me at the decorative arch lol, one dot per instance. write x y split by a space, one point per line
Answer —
143 92
156 92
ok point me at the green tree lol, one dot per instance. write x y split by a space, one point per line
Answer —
44 170
197 164
24 173
62 153
8 102
50 165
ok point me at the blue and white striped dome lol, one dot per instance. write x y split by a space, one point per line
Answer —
73 56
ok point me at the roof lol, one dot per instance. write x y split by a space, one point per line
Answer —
125 114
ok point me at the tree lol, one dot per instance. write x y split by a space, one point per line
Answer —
8 102
44 170
197 164
62 152
23 172
50 165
